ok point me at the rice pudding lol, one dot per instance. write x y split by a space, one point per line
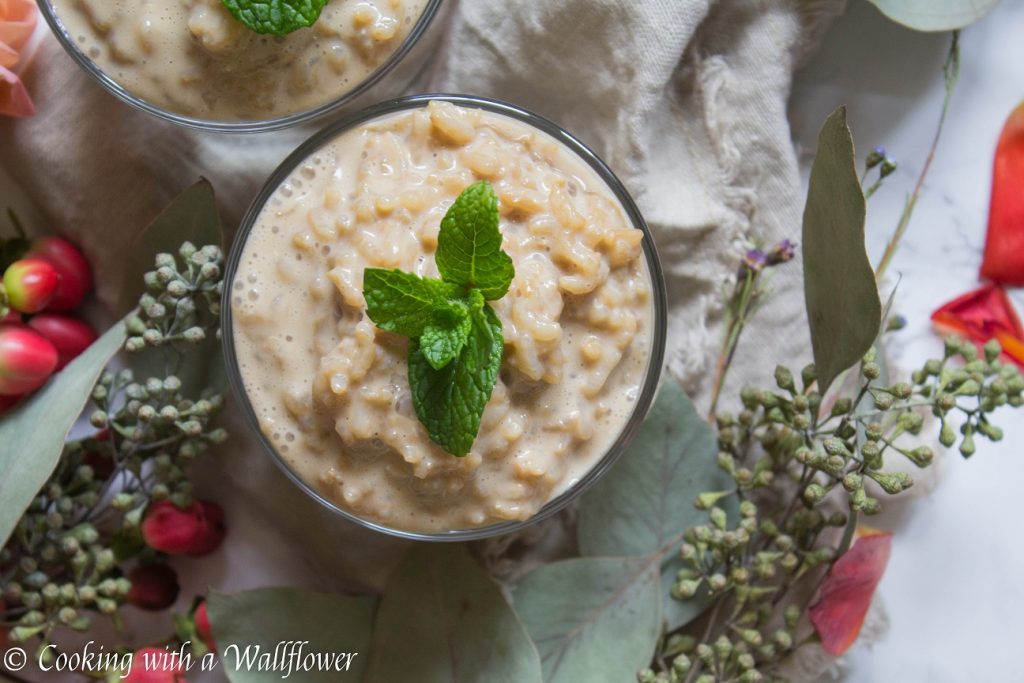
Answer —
193 58
330 390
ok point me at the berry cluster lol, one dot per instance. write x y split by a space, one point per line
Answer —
43 280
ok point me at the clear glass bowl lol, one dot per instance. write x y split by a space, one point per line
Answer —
390 79
655 360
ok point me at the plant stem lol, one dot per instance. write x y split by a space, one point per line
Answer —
952 71
735 322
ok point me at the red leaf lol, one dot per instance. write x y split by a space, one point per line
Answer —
847 591
984 314
1004 246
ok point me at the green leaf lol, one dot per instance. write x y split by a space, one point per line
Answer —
646 502
451 401
469 244
402 302
442 620
592 618
843 307
446 335
33 435
335 625
277 17
191 217
935 15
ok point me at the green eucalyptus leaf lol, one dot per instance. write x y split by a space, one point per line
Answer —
191 217
254 622
646 502
442 619
32 436
843 307
935 15
592 618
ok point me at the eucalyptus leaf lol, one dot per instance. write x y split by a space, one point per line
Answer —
249 624
592 618
935 15
843 307
443 620
647 500
191 217
32 436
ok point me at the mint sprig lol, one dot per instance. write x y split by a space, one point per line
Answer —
456 343
276 17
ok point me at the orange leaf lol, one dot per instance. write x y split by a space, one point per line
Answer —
984 314
847 590
1004 246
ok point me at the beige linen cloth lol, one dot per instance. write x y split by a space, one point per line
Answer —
685 99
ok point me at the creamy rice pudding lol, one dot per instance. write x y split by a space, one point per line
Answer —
193 58
330 390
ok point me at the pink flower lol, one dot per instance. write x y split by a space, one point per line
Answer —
17 22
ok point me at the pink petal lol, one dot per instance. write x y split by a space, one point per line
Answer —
17 22
8 55
14 99
847 590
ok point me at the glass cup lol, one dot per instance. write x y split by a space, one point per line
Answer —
393 77
655 359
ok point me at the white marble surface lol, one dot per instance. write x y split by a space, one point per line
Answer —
953 589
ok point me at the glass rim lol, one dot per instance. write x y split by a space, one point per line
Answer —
655 360
430 11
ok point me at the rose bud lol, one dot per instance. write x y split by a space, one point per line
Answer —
202 620
154 586
72 267
197 530
67 333
30 284
27 360
153 665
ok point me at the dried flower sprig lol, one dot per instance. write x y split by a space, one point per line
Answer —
747 291
805 469
66 559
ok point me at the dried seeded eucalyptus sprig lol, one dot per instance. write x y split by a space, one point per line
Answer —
804 471
64 561
183 301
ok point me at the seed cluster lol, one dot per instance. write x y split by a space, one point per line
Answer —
66 559
804 470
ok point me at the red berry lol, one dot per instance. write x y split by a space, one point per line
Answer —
12 317
67 333
27 359
197 530
154 586
203 628
72 267
153 665
30 284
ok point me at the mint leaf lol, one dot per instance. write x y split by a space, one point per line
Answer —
451 401
469 244
276 17
404 303
444 337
